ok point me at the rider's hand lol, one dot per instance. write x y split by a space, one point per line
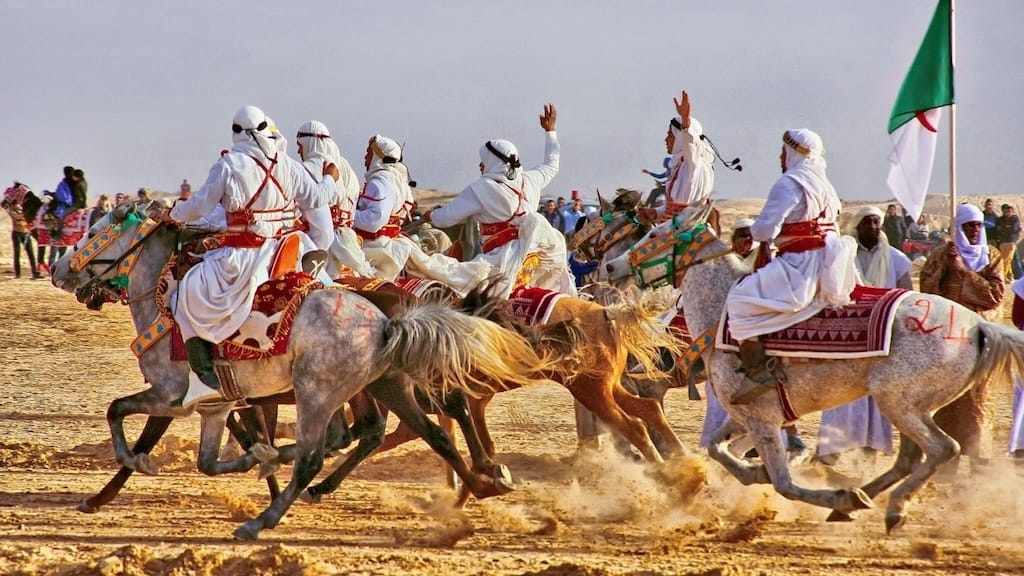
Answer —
165 216
332 171
683 109
646 171
955 261
547 119
426 216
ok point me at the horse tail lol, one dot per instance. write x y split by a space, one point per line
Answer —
639 325
1000 351
436 344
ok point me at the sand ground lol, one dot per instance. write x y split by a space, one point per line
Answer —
62 365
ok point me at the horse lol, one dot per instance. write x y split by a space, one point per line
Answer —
339 344
939 351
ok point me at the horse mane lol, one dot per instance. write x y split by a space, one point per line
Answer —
626 200
30 206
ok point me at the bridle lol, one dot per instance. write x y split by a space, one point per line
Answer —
625 225
102 287
682 247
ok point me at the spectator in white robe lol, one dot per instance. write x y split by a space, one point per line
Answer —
691 170
859 424
383 207
813 269
330 227
258 190
517 241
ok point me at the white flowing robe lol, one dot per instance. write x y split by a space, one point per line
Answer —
215 297
493 199
387 198
797 285
341 242
691 170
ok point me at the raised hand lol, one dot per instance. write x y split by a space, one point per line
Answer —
683 108
332 171
547 119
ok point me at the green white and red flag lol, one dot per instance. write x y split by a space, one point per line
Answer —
914 123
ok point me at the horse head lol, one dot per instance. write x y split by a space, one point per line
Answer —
96 268
615 231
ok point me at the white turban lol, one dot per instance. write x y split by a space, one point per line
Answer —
802 145
743 223
317 148
253 132
706 154
880 262
384 147
975 256
496 167
867 211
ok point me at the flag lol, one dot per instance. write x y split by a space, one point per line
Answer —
914 123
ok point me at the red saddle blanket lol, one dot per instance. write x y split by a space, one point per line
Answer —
76 224
860 330
533 305
267 330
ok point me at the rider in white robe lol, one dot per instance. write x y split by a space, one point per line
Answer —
383 207
517 241
859 424
814 267
259 192
330 227
691 174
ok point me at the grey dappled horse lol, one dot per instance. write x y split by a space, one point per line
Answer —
339 344
939 351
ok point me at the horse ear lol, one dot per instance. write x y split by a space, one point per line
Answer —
120 212
605 206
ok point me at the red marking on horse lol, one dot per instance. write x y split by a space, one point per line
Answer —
949 333
918 324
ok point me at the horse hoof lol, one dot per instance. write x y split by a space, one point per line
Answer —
893 521
247 531
503 479
268 469
264 452
86 508
310 497
143 463
837 516
860 500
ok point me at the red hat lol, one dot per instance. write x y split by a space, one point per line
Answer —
575 194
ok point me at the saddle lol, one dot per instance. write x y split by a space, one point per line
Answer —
73 228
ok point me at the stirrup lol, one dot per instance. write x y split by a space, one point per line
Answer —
751 391
197 392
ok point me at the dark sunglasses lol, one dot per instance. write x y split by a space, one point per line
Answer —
259 128
311 135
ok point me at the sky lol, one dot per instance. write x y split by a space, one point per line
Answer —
143 93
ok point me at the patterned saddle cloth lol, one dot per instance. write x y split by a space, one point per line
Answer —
860 330
267 330
76 224
533 305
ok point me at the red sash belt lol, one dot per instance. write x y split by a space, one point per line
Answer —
341 218
393 229
498 234
245 239
802 236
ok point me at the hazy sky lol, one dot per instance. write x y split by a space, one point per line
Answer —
143 93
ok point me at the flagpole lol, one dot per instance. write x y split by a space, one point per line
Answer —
952 121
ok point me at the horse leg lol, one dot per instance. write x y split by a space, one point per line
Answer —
478 412
211 433
256 429
596 393
145 402
369 427
651 413
151 433
769 445
400 399
311 434
907 457
456 406
938 448
718 450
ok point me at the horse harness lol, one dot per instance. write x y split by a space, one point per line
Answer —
584 240
500 233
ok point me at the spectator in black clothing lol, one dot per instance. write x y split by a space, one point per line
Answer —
79 190
1007 231
895 227
989 212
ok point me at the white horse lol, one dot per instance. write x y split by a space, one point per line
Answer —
340 343
939 351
